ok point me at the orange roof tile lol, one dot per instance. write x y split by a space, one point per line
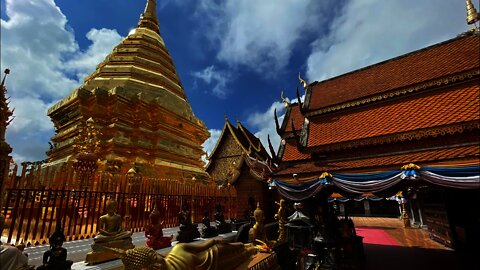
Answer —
291 152
378 163
451 105
297 117
437 61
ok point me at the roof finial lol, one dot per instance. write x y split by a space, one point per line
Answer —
7 71
284 100
472 14
302 81
149 19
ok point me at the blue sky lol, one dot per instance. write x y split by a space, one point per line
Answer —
233 57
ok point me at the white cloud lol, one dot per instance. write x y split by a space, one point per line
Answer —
37 45
210 143
216 78
370 31
260 34
264 124
103 40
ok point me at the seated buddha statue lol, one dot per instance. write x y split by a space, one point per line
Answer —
188 231
110 225
222 225
258 229
213 254
110 234
154 232
208 230
56 257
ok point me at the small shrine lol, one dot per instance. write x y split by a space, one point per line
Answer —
240 160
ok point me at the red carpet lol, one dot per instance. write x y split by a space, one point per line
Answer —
376 236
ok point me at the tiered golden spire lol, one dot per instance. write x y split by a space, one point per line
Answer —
472 13
149 19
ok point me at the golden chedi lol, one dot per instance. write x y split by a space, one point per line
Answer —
139 107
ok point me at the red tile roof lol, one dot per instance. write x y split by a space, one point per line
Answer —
451 105
379 163
437 61
297 117
291 152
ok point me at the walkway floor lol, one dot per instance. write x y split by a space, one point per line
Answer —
388 245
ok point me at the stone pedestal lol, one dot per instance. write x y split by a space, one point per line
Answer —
101 253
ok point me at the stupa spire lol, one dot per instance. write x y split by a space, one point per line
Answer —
149 19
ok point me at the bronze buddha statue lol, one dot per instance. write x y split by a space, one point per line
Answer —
110 225
110 234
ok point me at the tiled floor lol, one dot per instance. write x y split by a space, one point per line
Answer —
415 250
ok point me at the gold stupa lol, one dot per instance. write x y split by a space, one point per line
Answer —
138 106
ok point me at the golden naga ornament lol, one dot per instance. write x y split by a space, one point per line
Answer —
284 100
302 81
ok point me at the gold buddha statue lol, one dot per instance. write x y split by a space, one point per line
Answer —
110 235
280 217
110 225
257 232
214 254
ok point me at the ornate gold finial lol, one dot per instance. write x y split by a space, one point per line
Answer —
284 100
302 81
410 166
472 14
149 19
325 175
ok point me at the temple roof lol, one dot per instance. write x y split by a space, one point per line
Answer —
250 144
431 63
438 109
292 113
383 116
427 157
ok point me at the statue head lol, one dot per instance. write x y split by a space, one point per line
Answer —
57 238
111 206
155 216
143 258
258 214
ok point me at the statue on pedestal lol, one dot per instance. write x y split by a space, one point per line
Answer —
12 257
154 232
282 220
110 234
257 232
188 230
56 257
222 225
213 254
208 230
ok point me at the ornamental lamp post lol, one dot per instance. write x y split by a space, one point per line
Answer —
300 232
131 173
